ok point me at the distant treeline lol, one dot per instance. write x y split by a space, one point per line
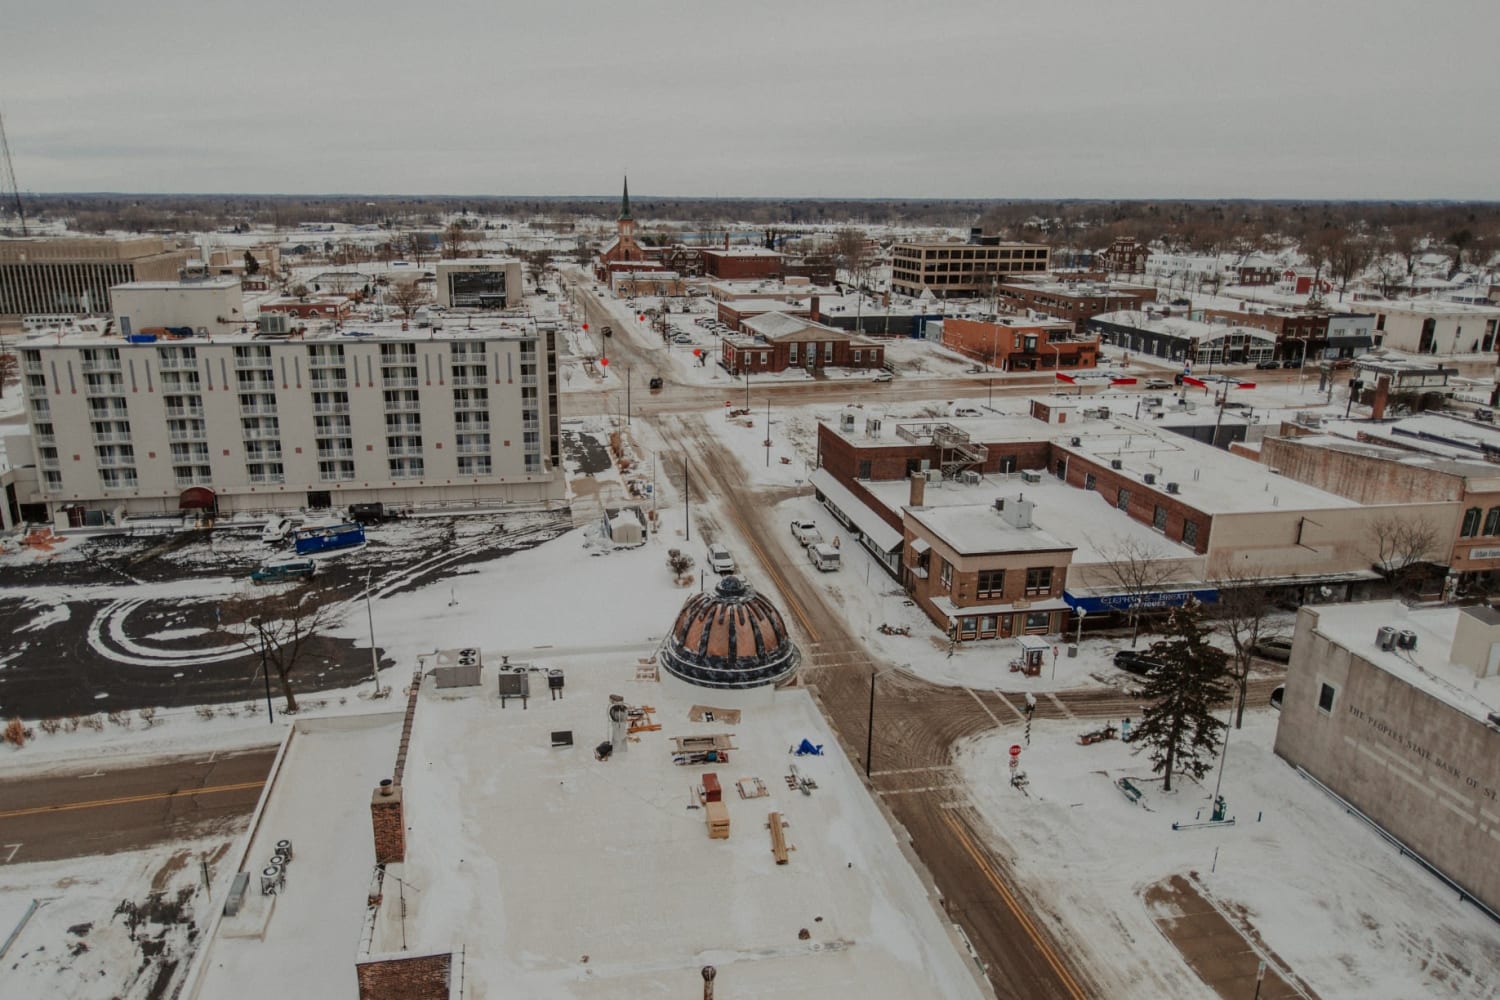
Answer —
1205 226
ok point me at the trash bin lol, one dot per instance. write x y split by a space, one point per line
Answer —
1072 650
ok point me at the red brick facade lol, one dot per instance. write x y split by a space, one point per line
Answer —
1019 347
741 354
742 264
1143 500
1077 306
421 977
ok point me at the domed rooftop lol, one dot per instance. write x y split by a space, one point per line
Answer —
731 638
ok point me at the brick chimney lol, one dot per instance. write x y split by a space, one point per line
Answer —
918 489
388 821
1381 396
812 310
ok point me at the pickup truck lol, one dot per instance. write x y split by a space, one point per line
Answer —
805 530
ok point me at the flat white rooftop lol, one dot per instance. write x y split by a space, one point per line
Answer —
563 876
1426 667
455 326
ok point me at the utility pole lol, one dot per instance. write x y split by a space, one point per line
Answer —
870 725
768 432
687 516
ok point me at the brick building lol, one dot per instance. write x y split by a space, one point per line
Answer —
73 276
1073 302
1014 343
742 263
774 342
1124 256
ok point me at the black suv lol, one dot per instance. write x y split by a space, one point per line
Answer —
1134 662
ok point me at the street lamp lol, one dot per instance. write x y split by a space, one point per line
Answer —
1082 614
370 614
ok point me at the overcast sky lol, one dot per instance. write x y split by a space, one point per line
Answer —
818 98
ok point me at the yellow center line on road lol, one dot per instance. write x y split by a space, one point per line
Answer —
125 800
990 876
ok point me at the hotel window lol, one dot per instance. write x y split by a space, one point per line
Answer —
1039 581
991 583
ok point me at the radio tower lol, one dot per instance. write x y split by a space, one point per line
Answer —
10 177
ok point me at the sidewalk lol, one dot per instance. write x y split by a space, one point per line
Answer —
1225 959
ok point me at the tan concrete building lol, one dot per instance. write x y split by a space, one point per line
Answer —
962 270
72 276
453 417
1403 727
213 306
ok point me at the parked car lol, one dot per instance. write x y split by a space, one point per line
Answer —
1267 364
291 569
1158 383
719 559
1134 662
1276 649
1292 363
824 557
655 383
805 530
681 338
882 376
277 530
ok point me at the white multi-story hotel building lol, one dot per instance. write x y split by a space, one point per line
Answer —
447 418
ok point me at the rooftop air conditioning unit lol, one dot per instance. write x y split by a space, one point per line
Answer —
971 478
1031 477
1385 638
1075 441
1173 488
1150 478
1406 639
1103 413
1115 463
470 651
934 475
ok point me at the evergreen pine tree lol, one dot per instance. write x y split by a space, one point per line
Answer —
1179 726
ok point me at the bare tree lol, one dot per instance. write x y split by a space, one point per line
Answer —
1348 256
1242 614
280 626
851 253
1137 569
407 296
457 240
1400 546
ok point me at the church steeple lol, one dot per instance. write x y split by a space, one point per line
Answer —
625 202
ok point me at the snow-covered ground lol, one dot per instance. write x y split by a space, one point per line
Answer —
1336 902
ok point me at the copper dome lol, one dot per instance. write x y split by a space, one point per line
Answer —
731 638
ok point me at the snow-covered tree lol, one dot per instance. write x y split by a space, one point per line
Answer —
1178 726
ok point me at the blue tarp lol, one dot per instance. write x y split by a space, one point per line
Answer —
807 749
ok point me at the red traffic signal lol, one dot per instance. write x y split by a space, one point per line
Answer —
603 362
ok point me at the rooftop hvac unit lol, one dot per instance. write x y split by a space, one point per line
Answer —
470 651
926 464
468 661
1103 413
1150 478
1090 414
270 880
284 848
846 421
999 503
1115 463
1406 639
1031 477
971 478
934 475
1385 638
1075 441
1173 488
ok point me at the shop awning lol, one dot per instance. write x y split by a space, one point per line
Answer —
881 535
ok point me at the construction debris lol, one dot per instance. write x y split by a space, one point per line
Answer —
777 827
705 713
751 788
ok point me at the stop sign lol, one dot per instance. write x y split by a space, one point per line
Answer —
603 362
1015 749
585 327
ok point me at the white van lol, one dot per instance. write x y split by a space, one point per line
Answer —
824 556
